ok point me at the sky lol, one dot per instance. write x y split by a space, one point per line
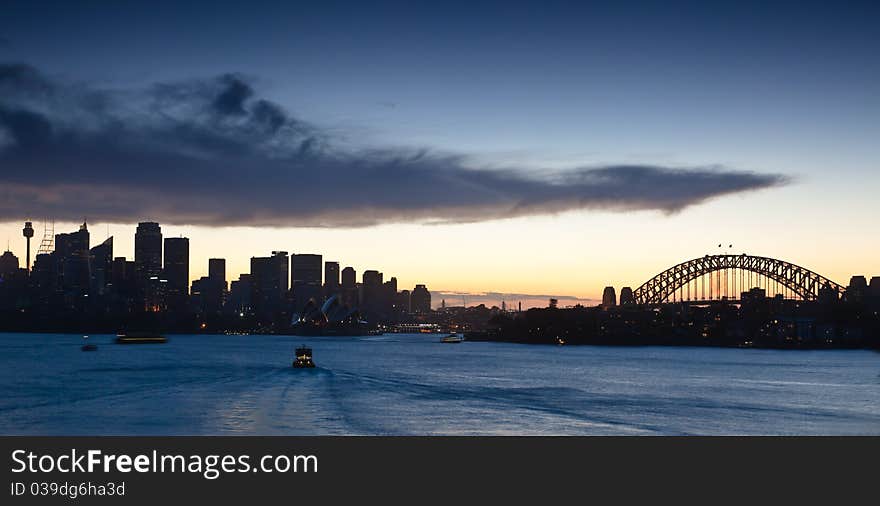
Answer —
519 148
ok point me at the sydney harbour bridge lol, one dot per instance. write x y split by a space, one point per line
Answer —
724 277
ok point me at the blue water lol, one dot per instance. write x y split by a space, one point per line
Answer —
410 384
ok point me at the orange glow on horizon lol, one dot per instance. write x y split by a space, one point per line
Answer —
572 254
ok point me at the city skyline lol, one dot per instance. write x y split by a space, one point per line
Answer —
197 269
701 125
408 272
728 299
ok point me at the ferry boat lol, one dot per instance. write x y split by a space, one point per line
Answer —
303 358
88 346
452 338
140 338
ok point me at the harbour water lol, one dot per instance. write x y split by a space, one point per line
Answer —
414 385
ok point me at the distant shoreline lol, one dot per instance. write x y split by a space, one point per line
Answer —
604 344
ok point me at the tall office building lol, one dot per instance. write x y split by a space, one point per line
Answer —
72 261
305 280
8 264
101 257
349 278
388 303
147 251
148 266
420 300
349 291
857 289
874 286
331 277
372 278
264 281
268 282
217 270
122 280
305 268
609 297
176 272
371 295
403 302
118 274
209 293
44 274
239 301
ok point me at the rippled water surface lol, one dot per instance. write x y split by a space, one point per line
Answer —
409 384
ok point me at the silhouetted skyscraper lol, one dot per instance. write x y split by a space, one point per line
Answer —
123 281
372 278
349 289
240 296
857 289
371 293
176 272
8 264
72 260
403 301
349 277
305 277
331 277
147 251
148 267
217 270
874 286
268 281
102 266
388 302
44 275
305 268
609 297
420 299
208 293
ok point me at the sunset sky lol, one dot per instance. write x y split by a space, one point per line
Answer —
526 148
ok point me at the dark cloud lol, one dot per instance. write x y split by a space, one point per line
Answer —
18 80
212 152
26 129
232 97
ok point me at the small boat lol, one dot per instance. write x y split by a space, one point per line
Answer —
303 358
140 338
452 338
88 346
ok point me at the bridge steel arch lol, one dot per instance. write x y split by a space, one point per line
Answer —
801 281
